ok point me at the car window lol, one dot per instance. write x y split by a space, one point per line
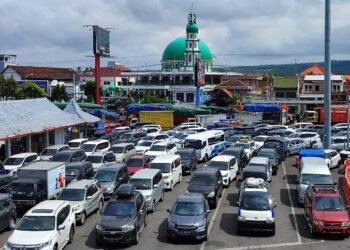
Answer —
139 202
92 190
62 216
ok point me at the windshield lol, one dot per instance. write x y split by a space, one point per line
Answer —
14 161
259 139
61 157
316 179
178 135
125 136
292 136
144 143
141 184
328 203
94 159
233 139
203 180
232 153
196 144
158 148
134 163
243 145
22 188
164 167
117 150
256 201
37 223
88 147
72 171
74 144
72 195
188 208
267 155
221 165
121 209
184 155
49 151
105 176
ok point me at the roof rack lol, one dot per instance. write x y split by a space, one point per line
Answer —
324 188
255 183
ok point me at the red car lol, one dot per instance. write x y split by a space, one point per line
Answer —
325 211
137 162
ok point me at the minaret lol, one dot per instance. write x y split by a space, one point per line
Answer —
192 43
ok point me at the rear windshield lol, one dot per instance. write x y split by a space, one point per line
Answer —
255 174
164 167
141 184
74 144
316 179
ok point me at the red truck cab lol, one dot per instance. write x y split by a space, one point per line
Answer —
137 162
325 211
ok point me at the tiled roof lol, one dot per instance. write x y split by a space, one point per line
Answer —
286 83
46 73
121 67
104 71
23 117
233 84
313 70
77 113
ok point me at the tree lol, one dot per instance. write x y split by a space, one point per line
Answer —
8 87
59 93
152 99
221 101
89 90
30 90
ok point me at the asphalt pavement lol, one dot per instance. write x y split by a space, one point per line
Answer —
292 231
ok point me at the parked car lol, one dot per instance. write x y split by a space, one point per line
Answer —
150 183
8 214
325 211
123 151
161 148
76 171
98 159
276 146
95 145
132 137
137 162
227 165
2 168
332 158
144 145
17 161
259 141
249 147
84 196
294 145
72 155
282 146
230 141
188 158
344 154
123 219
195 208
339 143
207 181
307 137
76 143
50 151
48 225
272 155
110 177
239 154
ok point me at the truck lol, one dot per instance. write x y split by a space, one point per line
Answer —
271 113
164 118
209 119
36 182
316 116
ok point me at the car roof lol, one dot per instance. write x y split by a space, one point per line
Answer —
79 140
111 166
223 158
146 173
267 150
123 144
190 197
166 158
259 159
254 168
329 150
98 153
314 165
57 146
97 141
47 205
206 171
81 184
77 163
22 155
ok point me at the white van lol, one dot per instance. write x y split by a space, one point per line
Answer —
170 166
313 170
99 145
228 167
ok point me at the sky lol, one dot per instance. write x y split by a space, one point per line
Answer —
238 33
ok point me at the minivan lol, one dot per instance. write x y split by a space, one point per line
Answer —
170 166
95 146
150 183
272 155
264 163
76 171
313 170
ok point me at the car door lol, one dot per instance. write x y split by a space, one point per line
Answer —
308 204
62 219
92 198
132 151
234 169
141 211
4 214
178 169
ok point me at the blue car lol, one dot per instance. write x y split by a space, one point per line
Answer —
294 146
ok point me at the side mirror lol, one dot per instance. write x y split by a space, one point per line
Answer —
89 198
168 210
237 203
61 227
208 211
232 167
204 166
155 186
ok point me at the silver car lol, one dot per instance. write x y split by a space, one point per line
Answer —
50 151
84 196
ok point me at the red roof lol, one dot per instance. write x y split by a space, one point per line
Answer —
347 78
47 73
121 67
315 69
105 72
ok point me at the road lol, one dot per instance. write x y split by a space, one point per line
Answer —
291 229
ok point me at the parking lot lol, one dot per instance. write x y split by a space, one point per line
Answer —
292 231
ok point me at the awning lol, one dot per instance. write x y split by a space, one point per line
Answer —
78 114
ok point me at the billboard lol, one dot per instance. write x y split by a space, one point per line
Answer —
41 83
199 73
100 41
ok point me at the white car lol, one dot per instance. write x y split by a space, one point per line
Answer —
309 138
123 151
17 161
161 148
48 225
144 145
122 128
97 159
50 151
76 143
259 141
248 147
332 158
99 145
299 125
227 165
151 126
151 131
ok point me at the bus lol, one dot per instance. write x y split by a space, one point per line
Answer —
207 144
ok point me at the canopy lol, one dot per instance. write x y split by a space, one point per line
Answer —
311 153
262 108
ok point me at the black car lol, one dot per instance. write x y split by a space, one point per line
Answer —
283 145
276 146
71 155
8 215
189 217
110 176
207 181
5 181
123 218
78 170
239 153
188 158
272 155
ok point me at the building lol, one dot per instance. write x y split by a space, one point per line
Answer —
7 60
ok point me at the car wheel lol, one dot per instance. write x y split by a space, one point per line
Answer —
12 223
153 207
55 247
205 158
100 207
98 241
162 197
206 235
180 178
146 220
82 219
123 161
215 203
171 185
312 232
273 232
190 171
137 237
71 235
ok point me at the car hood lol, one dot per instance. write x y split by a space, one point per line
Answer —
112 222
22 237
105 184
145 192
331 216
200 189
133 170
155 153
45 157
187 220
141 148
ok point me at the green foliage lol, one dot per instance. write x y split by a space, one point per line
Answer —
59 93
8 87
218 100
152 99
89 90
30 90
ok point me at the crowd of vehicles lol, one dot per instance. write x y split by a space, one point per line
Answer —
125 176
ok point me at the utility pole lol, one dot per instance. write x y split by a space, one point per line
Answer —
327 79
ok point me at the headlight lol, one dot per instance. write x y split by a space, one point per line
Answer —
172 224
8 246
225 175
241 218
201 226
270 220
166 177
76 208
110 188
345 224
99 227
318 223
128 228
148 197
45 244
211 194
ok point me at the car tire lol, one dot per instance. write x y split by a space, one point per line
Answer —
162 196
55 247
273 232
190 171
12 223
206 235
71 235
215 203
137 237
312 232
98 241
153 206
180 178
100 207
205 158
171 186
146 220
82 218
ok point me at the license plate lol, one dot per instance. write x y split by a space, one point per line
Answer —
186 232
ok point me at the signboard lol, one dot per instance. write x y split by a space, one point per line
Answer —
100 128
199 73
41 83
101 41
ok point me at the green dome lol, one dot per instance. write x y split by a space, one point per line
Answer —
176 49
192 28
111 87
